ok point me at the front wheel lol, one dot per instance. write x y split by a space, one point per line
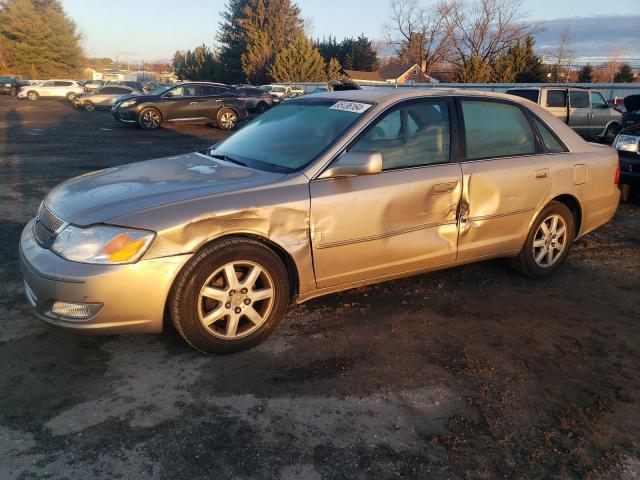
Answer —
230 296
33 96
149 119
227 119
548 243
262 107
89 106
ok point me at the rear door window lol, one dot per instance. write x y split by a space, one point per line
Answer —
496 129
549 140
578 99
556 98
63 84
529 94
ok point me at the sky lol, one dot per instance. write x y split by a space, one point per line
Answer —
150 31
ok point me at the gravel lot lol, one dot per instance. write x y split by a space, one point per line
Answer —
473 372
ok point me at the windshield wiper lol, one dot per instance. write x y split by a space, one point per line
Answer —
227 158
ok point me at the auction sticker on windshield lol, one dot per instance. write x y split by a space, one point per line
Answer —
355 107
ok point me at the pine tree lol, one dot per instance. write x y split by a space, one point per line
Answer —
38 36
334 70
299 62
624 75
519 64
585 75
231 36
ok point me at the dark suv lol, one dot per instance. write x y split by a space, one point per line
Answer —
9 85
212 102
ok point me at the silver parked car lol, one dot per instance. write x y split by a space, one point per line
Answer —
255 98
104 97
584 110
327 192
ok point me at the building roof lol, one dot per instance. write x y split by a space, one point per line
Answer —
365 76
395 71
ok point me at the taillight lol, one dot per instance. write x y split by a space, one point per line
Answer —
616 179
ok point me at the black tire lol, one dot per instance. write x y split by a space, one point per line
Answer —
89 106
610 133
226 119
149 118
262 107
32 95
186 305
525 263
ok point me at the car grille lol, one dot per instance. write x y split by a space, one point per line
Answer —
47 226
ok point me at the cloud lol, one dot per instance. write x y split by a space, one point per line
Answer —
595 38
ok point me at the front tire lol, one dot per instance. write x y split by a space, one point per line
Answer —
227 119
33 96
548 243
149 118
89 106
230 296
262 107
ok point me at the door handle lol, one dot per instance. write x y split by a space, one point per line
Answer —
541 174
442 188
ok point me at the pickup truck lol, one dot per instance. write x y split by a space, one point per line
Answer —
584 110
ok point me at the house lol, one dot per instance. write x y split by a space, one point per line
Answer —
394 73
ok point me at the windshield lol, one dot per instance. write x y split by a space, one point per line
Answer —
159 89
291 136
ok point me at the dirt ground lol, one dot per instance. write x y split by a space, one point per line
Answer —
469 373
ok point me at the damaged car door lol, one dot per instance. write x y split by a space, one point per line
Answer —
399 217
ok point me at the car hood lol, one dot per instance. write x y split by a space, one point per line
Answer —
99 196
632 103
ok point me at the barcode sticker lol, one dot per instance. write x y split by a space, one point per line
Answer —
354 107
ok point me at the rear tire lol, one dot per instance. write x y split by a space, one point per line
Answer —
89 106
548 243
219 314
262 107
33 96
149 118
227 119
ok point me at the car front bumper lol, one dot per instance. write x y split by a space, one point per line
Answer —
124 116
133 296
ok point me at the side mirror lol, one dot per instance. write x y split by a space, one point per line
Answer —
352 164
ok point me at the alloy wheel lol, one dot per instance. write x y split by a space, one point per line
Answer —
151 119
550 241
33 96
236 300
228 120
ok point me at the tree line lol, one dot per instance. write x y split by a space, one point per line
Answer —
38 39
260 41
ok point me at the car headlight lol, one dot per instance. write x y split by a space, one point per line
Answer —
126 103
627 143
102 244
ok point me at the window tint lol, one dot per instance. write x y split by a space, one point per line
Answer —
495 129
597 100
410 136
551 143
63 84
206 90
108 90
49 84
578 99
556 98
529 94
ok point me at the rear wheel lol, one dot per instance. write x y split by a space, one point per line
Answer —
89 106
227 119
262 107
230 296
548 242
149 118
33 96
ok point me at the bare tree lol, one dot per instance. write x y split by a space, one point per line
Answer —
418 34
481 30
562 57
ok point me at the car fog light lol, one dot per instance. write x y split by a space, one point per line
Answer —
75 311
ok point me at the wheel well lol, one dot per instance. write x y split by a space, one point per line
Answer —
287 259
572 204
